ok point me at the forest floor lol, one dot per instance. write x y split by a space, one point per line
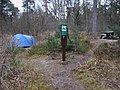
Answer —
61 73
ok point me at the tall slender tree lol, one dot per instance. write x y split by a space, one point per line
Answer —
7 9
29 6
7 13
94 18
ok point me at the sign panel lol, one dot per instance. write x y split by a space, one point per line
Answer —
64 30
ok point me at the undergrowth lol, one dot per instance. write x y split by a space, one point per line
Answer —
108 51
103 71
53 44
18 75
41 49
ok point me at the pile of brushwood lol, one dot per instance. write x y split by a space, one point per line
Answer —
103 71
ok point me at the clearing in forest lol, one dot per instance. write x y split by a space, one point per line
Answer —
61 73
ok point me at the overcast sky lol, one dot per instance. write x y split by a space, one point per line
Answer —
17 3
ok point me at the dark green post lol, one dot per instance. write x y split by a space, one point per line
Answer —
64 34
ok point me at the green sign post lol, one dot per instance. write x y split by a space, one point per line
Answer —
64 34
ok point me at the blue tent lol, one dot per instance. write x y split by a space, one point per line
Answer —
21 40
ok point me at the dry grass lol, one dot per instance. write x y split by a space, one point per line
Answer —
34 79
99 75
102 72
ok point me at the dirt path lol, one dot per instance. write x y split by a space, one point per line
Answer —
61 73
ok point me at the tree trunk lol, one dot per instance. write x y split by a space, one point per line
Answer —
85 16
94 26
